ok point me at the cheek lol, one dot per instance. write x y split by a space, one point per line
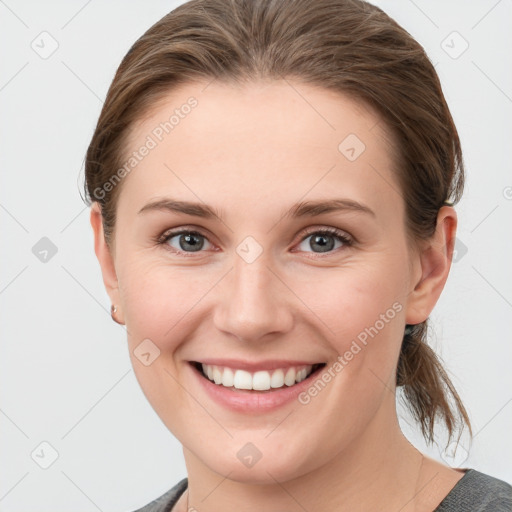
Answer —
159 304
159 301
361 314
352 298
360 309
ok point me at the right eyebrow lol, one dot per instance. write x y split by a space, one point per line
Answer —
186 207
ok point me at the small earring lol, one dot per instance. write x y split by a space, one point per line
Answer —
113 310
408 329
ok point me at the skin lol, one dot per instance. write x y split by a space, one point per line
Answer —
253 151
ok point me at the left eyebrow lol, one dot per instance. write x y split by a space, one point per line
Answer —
313 208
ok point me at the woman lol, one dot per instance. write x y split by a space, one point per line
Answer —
272 187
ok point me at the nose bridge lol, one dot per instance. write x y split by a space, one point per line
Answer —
252 282
254 302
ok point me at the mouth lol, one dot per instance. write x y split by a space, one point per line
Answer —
261 381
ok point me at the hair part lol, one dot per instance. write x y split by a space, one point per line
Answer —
347 46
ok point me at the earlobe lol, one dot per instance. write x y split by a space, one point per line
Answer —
435 260
104 255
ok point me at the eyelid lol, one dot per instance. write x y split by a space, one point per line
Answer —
186 228
326 229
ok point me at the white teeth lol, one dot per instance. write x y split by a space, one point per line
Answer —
228 377
217 375
277 380
289 378
242 380
260 381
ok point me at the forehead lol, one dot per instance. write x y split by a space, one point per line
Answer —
217 142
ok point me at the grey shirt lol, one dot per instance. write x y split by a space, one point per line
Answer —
474 492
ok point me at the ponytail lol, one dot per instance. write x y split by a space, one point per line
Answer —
427 387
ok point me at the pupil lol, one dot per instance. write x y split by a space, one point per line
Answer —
324 246
193 241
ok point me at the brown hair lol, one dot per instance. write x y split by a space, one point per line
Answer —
348 46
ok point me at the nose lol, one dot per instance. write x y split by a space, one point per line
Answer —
254 302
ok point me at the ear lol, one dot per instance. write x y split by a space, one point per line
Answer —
435 258
105 258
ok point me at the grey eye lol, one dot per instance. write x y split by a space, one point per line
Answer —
187 241
321 242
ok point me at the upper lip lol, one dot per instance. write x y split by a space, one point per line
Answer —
253 366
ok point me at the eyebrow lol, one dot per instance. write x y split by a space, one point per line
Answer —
186 207
313 208
302 209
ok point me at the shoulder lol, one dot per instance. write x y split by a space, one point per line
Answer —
165 502
478 492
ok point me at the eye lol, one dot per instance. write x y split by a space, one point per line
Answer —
185 240
324 240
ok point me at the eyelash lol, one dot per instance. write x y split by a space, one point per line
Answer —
340 235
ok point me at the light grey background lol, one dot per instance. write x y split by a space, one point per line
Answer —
65 374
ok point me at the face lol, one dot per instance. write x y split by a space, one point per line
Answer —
292 255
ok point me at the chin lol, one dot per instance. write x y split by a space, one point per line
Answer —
266 470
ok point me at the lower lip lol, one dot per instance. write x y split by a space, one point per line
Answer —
253 401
